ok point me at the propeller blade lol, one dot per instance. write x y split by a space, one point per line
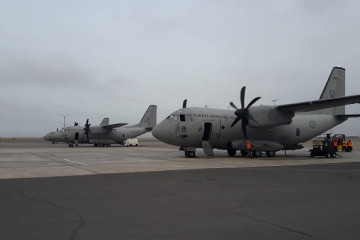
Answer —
252 102
87 128
233 105
253 119
235 121
242 96
243 113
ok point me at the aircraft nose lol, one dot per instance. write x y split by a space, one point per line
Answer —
158 132
46 137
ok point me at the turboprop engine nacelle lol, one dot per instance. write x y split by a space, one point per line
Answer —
98 130
269 116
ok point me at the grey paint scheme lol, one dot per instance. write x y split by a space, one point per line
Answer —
106 133
276 127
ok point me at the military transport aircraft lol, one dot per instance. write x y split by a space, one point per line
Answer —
105 134
268 128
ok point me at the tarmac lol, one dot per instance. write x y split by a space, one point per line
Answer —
154 192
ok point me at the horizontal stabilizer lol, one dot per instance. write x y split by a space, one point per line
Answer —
116 125
346 116
319 104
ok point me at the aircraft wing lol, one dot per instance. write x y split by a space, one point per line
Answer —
319 104
116 125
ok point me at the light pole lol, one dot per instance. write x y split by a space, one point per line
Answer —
64 115
274 101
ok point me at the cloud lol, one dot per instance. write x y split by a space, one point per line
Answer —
91 59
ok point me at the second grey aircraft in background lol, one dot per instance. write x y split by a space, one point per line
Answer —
105 134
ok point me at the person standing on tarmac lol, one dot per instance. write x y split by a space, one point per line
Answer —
343 146
349 146
335 144
248 148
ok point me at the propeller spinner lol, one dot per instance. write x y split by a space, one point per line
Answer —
243 113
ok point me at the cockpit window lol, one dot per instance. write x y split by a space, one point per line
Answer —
172 117
182 117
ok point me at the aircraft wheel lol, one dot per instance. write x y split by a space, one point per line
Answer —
270 153
189 154
243 153
256 153
231 152
71 145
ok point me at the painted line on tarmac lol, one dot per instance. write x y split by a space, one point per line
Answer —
65 159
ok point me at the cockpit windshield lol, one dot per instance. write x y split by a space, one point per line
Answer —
172 117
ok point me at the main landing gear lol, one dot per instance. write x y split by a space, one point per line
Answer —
231 152
255 153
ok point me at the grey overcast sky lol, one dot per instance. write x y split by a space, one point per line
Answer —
94 59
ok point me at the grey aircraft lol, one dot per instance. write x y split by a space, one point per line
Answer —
105 134
268 128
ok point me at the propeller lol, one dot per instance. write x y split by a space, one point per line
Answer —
243 113
184 103
87 128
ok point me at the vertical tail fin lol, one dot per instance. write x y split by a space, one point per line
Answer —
104 122
335 87
148 121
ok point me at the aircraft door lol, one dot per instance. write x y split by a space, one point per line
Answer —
181 127
76 139
76 136
207 131
183 130
211 132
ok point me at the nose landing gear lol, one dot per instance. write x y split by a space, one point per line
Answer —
189 152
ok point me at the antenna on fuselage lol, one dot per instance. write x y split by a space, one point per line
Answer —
184 103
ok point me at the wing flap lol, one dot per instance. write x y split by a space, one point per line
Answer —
319 104
116 125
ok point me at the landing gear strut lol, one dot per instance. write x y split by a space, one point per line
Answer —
231 152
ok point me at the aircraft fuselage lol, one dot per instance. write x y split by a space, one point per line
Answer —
189 127
78 135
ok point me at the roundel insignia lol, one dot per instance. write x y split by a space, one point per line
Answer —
312 124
